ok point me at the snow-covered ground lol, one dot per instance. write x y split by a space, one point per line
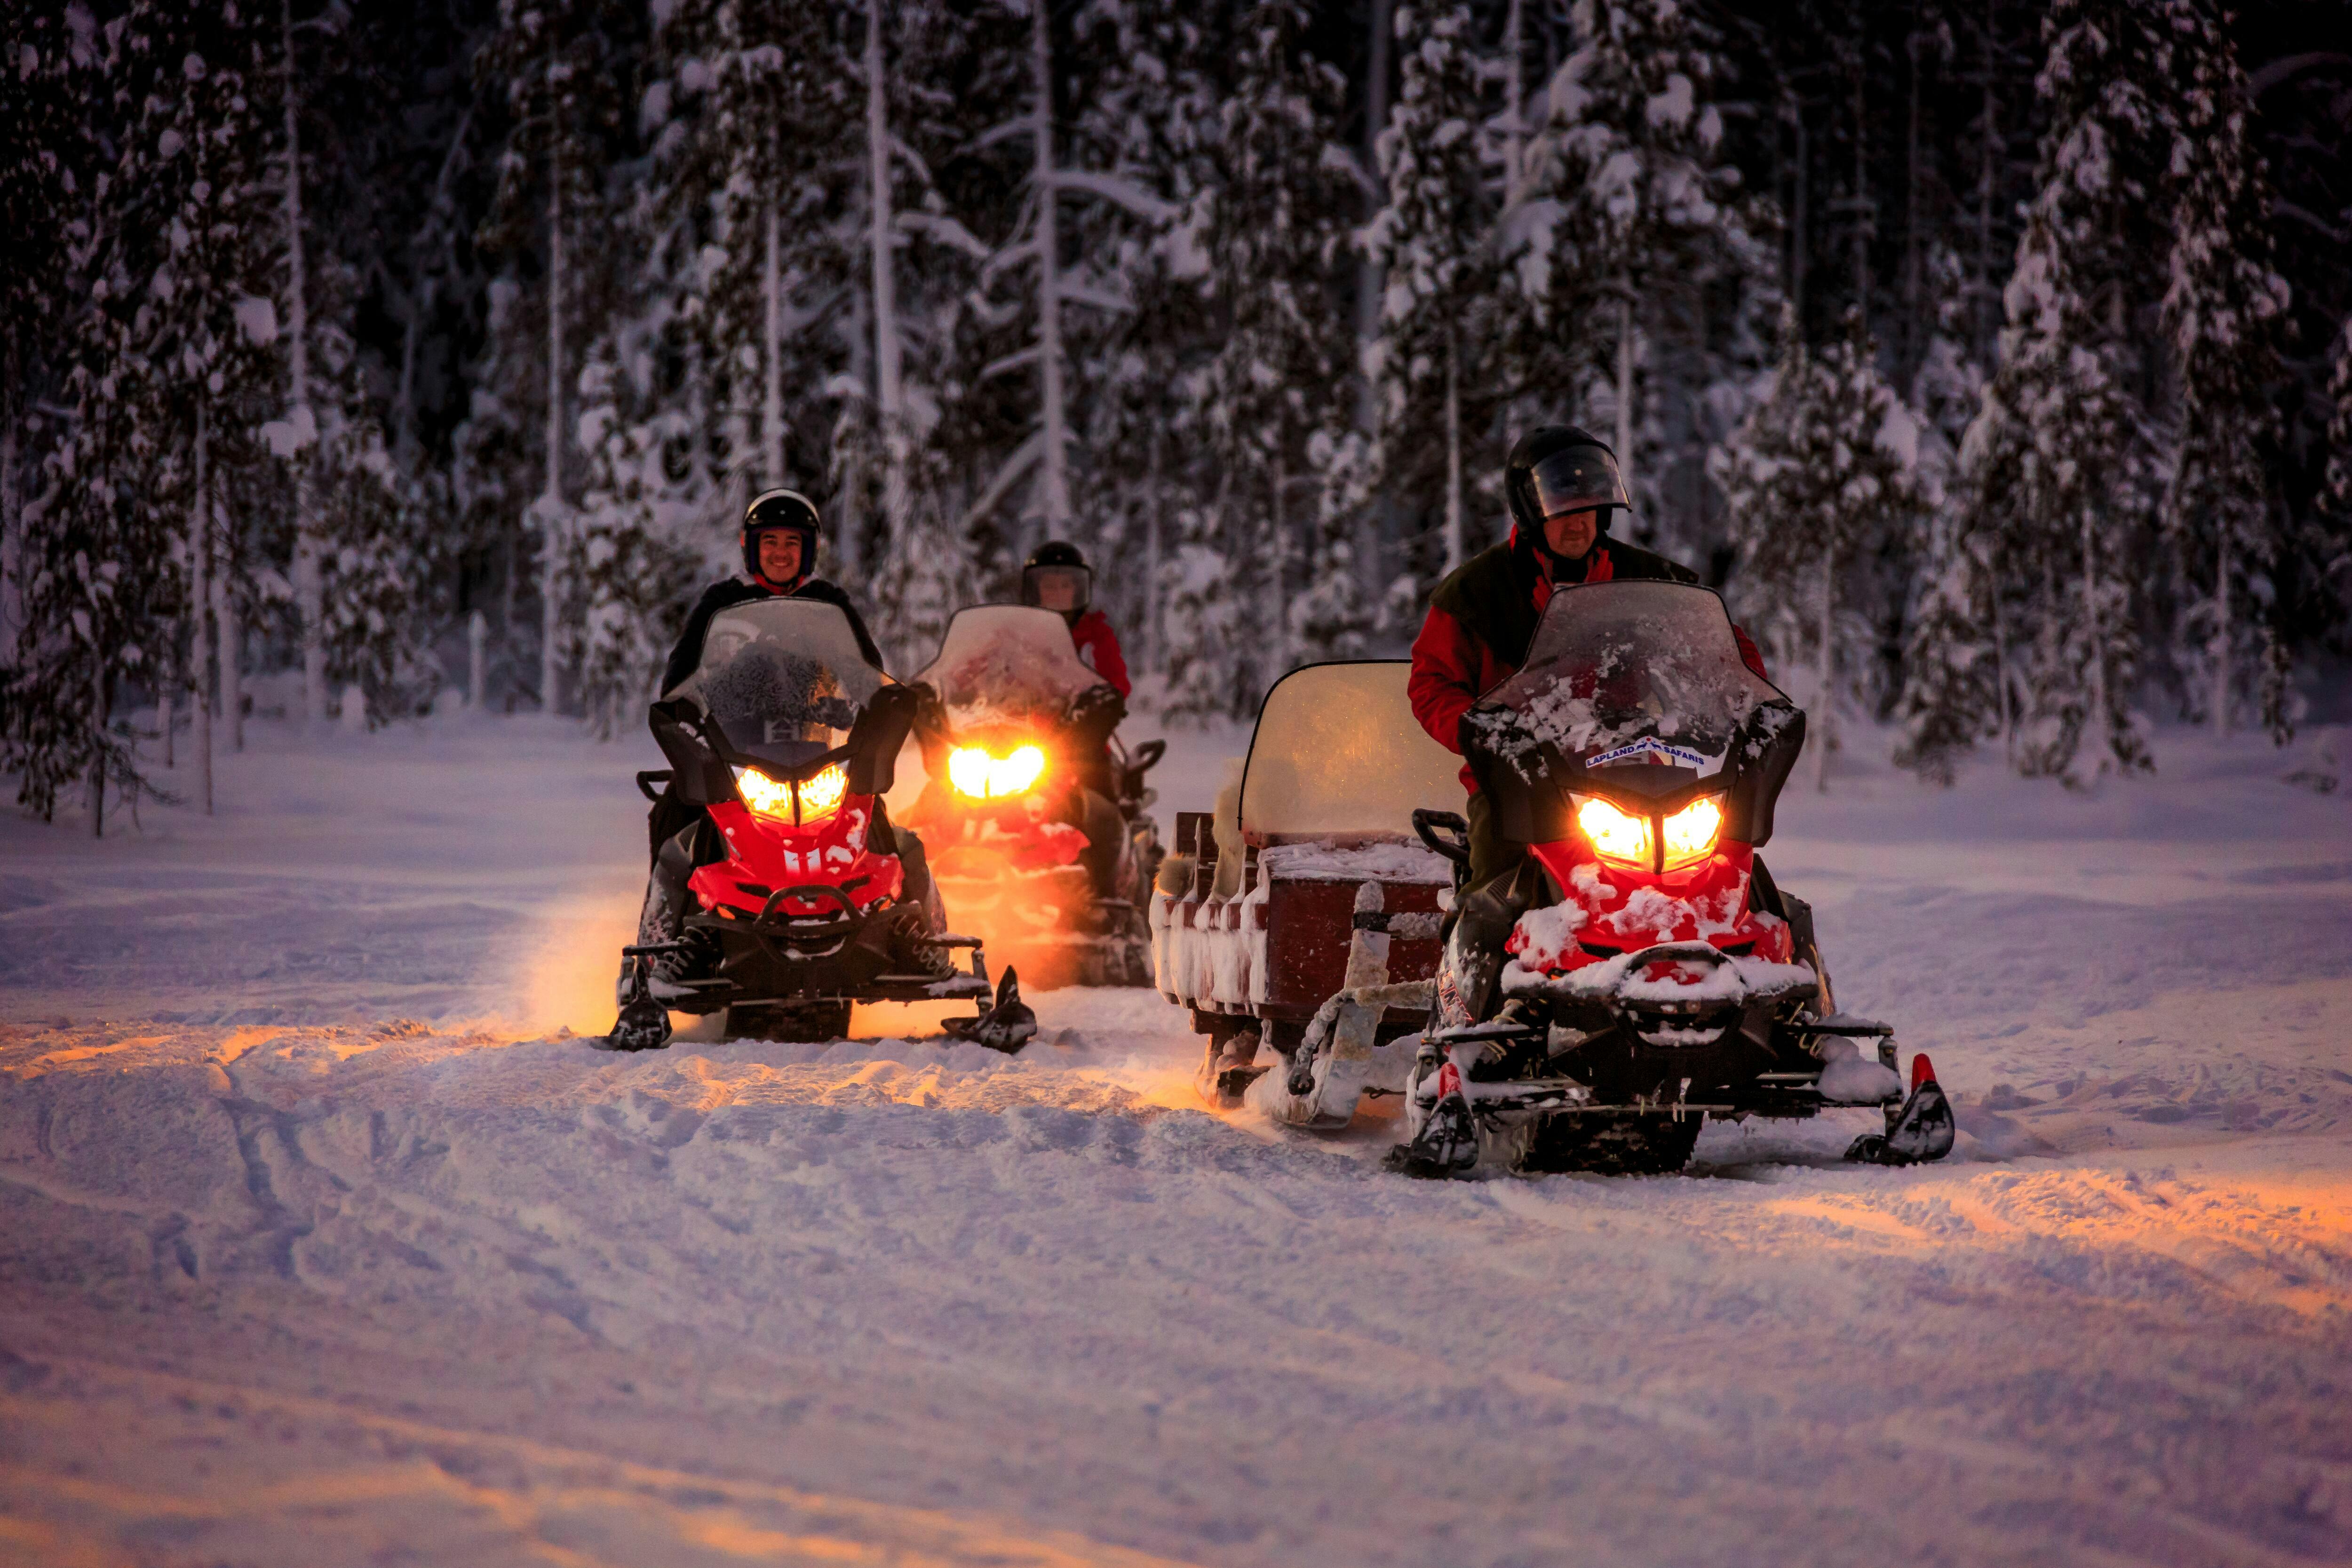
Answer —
326 1237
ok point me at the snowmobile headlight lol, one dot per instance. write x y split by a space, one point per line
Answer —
822 794
1614 835
764 796
983 778
1691 833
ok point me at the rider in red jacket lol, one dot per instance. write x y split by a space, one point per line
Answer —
1562 485
1057 578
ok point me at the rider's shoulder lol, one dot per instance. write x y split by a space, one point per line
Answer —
1630 561
1474 583
728 591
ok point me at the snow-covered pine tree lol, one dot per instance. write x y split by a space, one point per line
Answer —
1433 242
177 300
49 155
629 579
2326 541
1276 241
2223 308
1953 666
1145 128
2058 463
1817 473
1633 213
553 62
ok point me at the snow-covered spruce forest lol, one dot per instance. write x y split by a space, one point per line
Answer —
1993 357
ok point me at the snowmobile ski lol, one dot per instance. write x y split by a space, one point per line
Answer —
1924 1129
1007 1026
1447 1143
643 1023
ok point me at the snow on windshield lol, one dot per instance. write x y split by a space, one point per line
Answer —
1339 751
778 671
1615 666
1006 664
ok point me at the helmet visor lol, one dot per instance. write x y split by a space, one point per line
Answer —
1578 478
1063 588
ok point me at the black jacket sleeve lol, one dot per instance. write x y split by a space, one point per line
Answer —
689 651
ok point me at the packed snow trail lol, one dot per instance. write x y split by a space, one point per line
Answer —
321 1242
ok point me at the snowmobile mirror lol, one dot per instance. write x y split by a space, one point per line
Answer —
700 777
876 738
1762 759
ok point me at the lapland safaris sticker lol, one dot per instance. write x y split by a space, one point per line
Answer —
1655 753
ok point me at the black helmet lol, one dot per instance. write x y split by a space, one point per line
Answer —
1558 468
781 509
1054 561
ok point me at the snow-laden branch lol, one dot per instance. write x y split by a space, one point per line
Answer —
1024 458
1080 294
947 231
1111 188
1020 359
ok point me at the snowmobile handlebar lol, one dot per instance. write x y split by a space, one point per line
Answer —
1444 832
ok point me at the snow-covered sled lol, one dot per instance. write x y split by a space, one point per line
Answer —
1256 910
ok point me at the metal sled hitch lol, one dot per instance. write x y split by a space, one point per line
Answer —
643 1023
1922 1131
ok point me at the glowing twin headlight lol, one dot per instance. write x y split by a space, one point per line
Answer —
974 772
1689 834
820 797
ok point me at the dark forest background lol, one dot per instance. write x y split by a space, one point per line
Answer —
1993 358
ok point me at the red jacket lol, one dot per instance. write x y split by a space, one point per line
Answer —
1454 665
1097 648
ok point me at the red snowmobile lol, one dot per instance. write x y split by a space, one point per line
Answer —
1033 811
793 895
1639 973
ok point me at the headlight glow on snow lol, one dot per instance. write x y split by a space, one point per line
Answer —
1691 833
768 797
821 797
1614 835
976 774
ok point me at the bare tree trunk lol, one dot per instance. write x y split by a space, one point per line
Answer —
1151 523
1988 315
12 507
1054 467
553 533
1863 224
1277 564
309 542
1514 101
1914 349
2000 674
1625 381
2099 724
232 643
200 564
1368 280
890 370
1827 675
404 412
1799 232
772 344
2225 664
1455 546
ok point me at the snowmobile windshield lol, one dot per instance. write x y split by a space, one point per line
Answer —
1337 753
783 678
1577 479
1007 666
1625 674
